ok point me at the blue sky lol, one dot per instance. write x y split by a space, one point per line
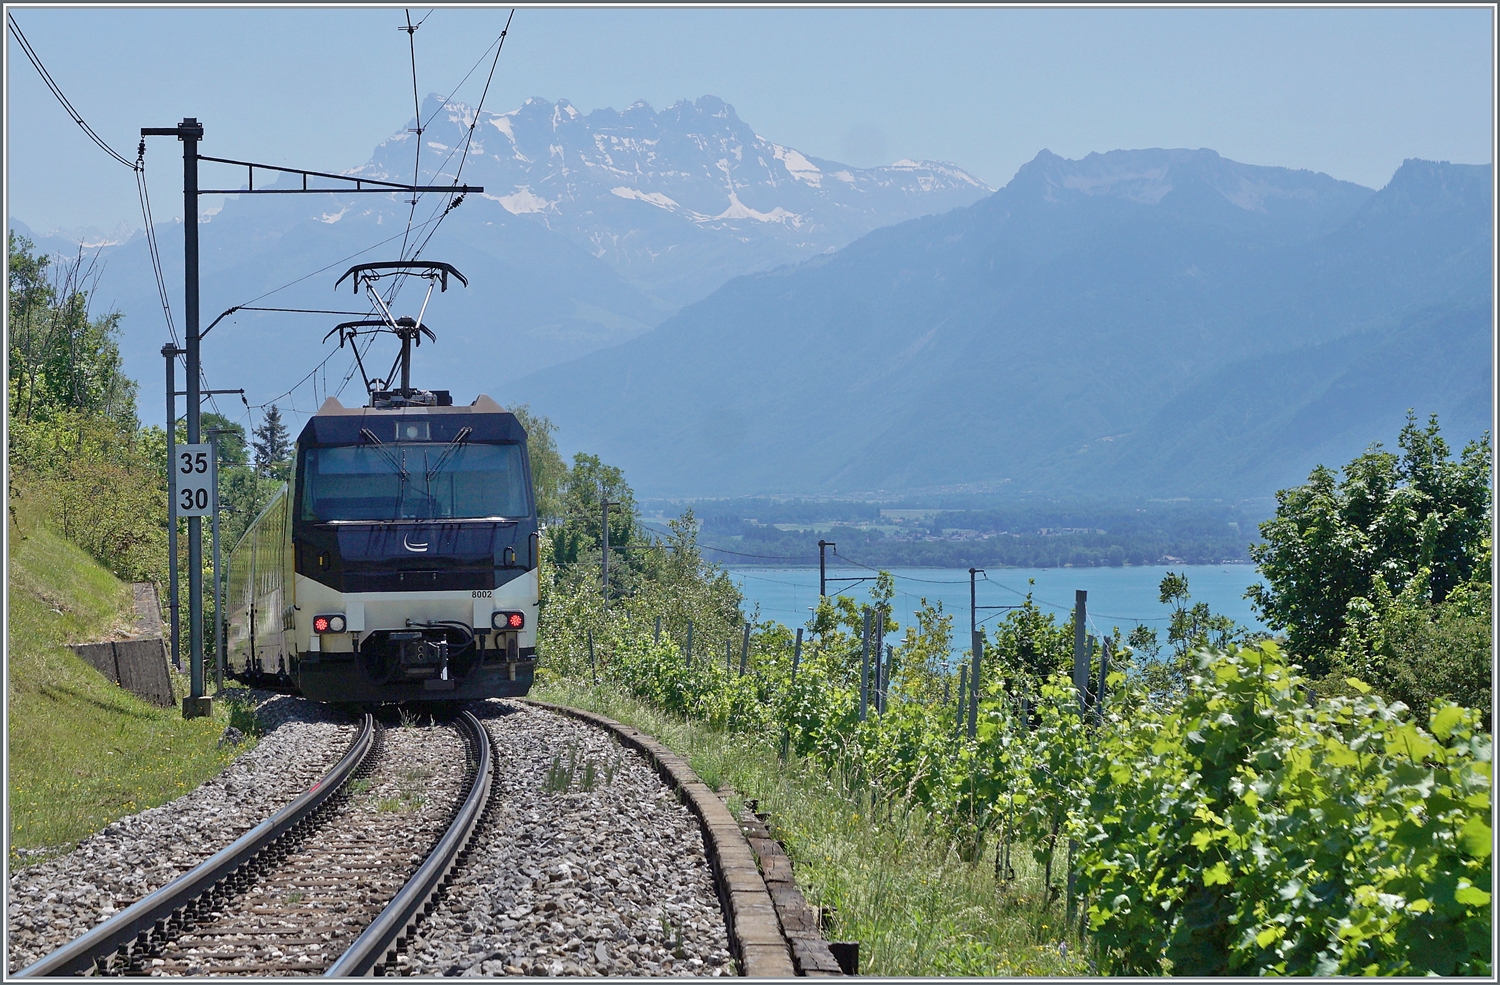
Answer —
1345 91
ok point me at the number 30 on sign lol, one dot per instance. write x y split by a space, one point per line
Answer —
194 472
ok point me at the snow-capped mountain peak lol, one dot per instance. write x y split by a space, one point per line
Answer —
640 187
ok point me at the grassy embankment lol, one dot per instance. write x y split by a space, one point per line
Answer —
83 751
913 905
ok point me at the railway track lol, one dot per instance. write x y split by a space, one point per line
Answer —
331 884
594 851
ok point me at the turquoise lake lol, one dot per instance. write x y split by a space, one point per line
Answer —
1120 597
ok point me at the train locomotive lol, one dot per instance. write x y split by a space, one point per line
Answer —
399 563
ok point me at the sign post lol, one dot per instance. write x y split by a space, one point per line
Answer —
194 472
171 352
213 440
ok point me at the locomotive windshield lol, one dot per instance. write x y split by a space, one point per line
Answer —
413 481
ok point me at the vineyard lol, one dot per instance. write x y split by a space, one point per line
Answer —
1210 815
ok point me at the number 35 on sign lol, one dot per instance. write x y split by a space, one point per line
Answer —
194 471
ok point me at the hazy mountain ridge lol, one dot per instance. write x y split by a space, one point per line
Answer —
559 262
1040 337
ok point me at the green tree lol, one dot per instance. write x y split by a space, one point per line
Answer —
273 446
232 449
1030 646
1417 652
548 470
588 483
1194 626
60 358
1389 515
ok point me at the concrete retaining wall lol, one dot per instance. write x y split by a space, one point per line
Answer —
139 666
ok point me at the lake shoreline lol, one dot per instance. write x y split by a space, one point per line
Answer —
1123 595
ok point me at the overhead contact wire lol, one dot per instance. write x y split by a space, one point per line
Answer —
416 178
453 203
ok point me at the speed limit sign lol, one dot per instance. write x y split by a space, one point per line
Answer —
194 471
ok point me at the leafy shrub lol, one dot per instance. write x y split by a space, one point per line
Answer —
1245 832
101 487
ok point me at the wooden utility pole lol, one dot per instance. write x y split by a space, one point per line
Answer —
823 546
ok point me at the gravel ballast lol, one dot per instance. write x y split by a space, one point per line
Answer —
608 881
301 914
52 902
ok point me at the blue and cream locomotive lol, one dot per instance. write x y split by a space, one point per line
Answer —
399 564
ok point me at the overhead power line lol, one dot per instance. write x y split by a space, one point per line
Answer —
764 557
449 98
57 91
138 166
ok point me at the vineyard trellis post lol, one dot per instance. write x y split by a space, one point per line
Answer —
1089 691
963 684
1080 649
796 655
745 650
864 669
977 643
885 675
1103 683
1072 906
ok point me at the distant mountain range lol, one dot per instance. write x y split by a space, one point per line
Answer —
1152 322
592 229
676 202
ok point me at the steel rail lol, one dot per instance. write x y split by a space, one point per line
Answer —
150 914
415 899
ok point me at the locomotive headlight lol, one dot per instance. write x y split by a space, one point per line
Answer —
507 621
334 623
